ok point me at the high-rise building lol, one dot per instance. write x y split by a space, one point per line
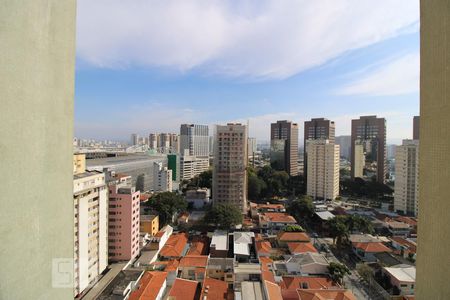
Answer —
174 143
211 145
323 169
195 139
416 126
123 221
134 139
317 129
406 192
173 164
162 178
90 225
191 166
344 142
284 146
369 132
252 147
230 165
154 141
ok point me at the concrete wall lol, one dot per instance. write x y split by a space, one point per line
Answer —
37 42
434 228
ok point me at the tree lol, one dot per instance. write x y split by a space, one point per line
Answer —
358 223
296 185
338 271
365 271
166 205
224 216
293 228
301 208
205 179
338 229
140 182
255 187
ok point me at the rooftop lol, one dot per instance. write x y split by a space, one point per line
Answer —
295 248
372 247
220 240
325 295
325 215
251 290
175 245
273 290
242 242
403 273
263 247
149 286
276 217
308 258
184 289
214 289
194 261
306 282
119 285
293 237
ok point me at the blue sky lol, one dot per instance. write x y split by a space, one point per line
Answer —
148 66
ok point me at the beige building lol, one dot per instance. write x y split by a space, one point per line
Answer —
230 165
360 161
191 166
323 169
406 193
162 178
90 225
149 224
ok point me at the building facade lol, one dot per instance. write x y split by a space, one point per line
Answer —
284 146
317 129
149 224
416 127
230 165
344 142
194 139
369 133
252 147
191 166
90 225
162 178
123 236
323 171
406 192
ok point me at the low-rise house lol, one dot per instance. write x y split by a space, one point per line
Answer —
219 244
403 277
168 266
412 222
246 272
366 250
199 246
221 268
284 238
307 282
398 228
263 248
310 294
175 247
198 198
214 289
251 290
275 221
243 246
160 238
272 291
308 263
405 247
298 248
149 224
122 285
151 286
193 267
257 209
184 289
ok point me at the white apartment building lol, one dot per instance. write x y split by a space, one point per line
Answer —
230 165
406 191
195 139
323 169
90 226
162 178
191 166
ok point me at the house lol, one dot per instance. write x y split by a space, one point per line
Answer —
249 290
311 294
405 247
307 282
275 221
183 218
297 248
193 267
366 250
219 244
398 228
175 247
291 237
184 289
149 224
198 198
308 263
221 268
246 272
257 209
243 245
160 238
272 291
263 248
214 289
199 246
168 266
403 277
151 286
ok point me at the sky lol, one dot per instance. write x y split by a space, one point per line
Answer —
148 66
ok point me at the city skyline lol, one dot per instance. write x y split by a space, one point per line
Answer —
369 71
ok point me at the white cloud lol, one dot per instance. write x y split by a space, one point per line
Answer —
397 77
257 39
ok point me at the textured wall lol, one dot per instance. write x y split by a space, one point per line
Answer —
433 263
37 42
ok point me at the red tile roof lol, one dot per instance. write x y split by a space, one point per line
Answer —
273 291
296 247
265 261
214 289
308 282
172 265
372 247
293 236
278 217
325 295
174 246
263 247
149 286
183 289
194 261
407 220
411 246
199 246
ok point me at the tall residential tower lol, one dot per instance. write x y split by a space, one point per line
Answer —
317 129
284 146
195 139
